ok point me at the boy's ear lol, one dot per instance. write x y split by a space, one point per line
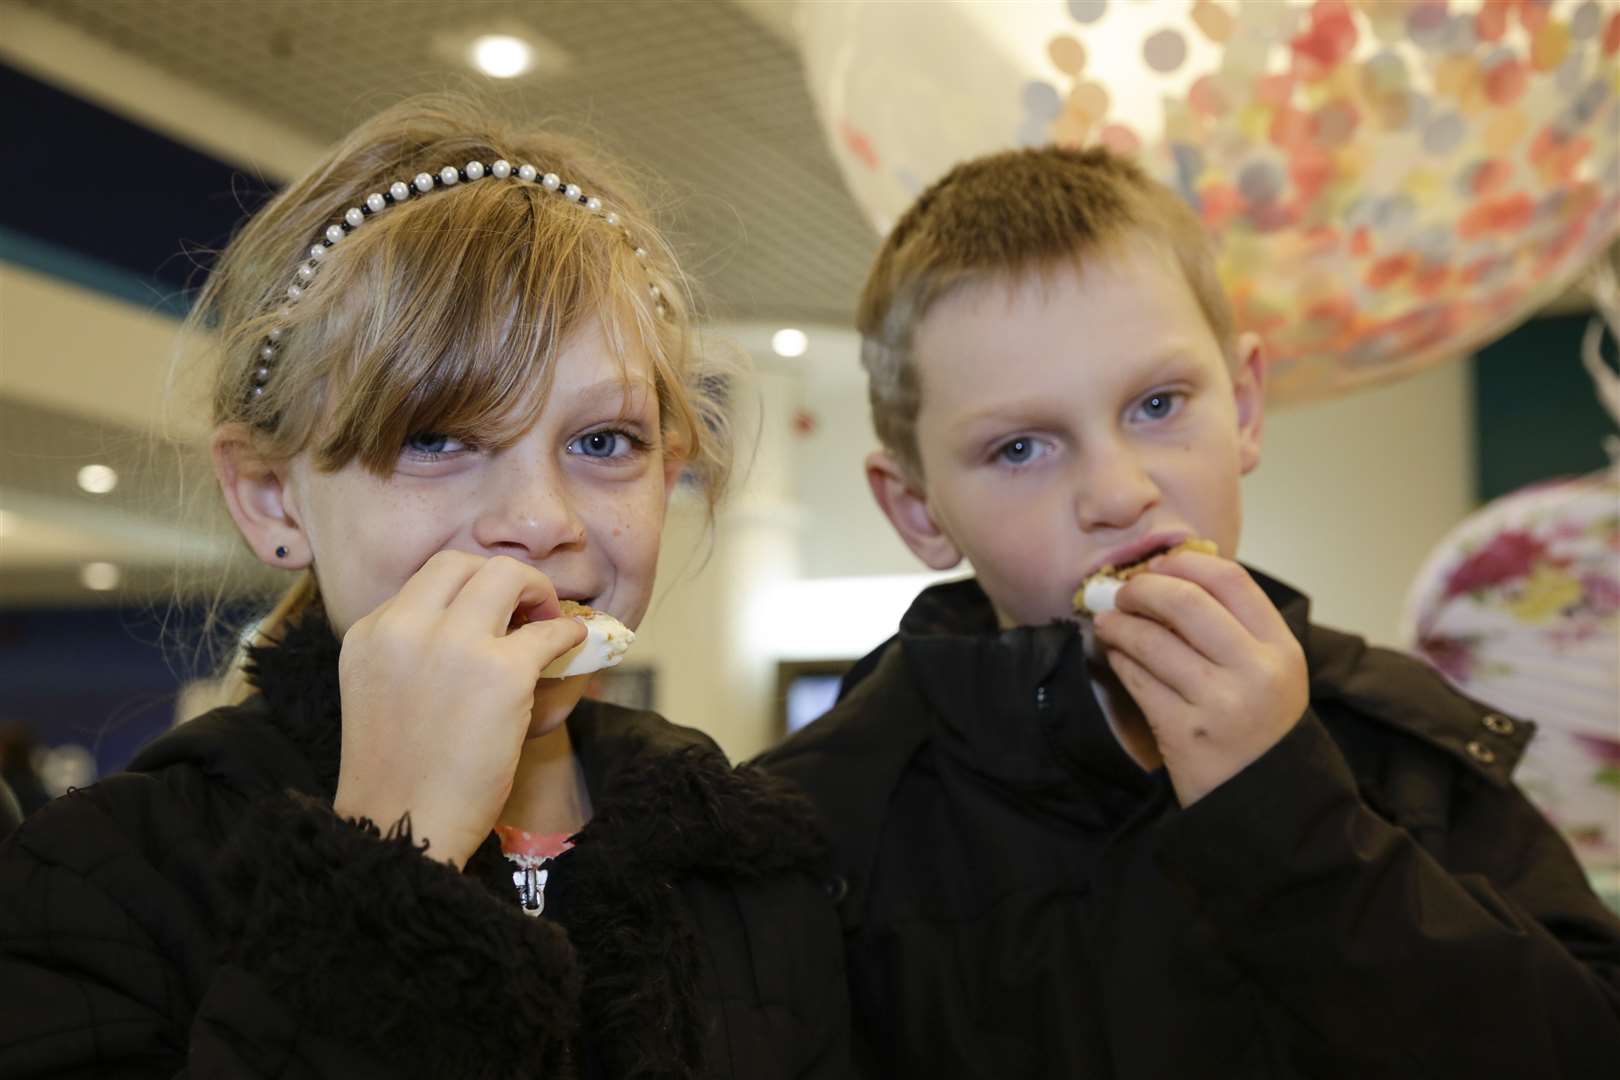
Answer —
906 507
1249 388
255 495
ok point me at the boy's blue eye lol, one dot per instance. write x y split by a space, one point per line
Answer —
1160 405
1021 451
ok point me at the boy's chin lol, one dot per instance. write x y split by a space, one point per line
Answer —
1057 613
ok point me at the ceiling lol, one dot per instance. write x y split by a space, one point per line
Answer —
707 96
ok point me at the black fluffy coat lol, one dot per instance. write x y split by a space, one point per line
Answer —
205 913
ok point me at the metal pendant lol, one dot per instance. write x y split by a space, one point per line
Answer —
531 888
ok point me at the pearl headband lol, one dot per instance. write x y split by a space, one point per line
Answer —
423 183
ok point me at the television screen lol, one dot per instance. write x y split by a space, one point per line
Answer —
806 689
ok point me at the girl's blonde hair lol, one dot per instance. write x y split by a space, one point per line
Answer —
445 313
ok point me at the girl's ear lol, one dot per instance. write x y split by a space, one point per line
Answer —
1249 388
677 456
674 465
905 504
255 495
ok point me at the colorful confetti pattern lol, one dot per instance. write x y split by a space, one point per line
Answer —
1389 182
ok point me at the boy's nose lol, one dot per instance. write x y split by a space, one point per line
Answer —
1114 491
529 519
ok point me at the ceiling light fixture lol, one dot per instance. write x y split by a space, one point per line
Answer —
97 479
789 342
99 576
501 56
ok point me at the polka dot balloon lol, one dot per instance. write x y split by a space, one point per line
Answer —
1389 182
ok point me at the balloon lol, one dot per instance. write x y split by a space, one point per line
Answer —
1520 608
1388 182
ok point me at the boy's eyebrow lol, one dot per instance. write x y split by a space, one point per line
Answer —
1002 412
1168 356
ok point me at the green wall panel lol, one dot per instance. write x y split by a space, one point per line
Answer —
1536 414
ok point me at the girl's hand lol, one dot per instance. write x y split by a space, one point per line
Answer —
1218 675
438 689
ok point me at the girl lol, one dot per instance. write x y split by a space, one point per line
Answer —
454 388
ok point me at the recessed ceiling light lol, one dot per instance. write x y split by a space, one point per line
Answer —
501 56
99 576
501 48
97 479
789 342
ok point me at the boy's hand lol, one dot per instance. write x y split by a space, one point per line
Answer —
1217 673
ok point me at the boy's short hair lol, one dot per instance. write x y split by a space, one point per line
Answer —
1007 214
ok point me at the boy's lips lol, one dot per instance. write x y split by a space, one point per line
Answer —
1135 551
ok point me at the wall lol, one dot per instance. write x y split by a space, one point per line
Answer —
1352 494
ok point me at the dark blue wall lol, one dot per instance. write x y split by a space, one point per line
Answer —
104 678
87 195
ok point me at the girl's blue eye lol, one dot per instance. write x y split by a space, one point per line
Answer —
599 444
432 444
606 445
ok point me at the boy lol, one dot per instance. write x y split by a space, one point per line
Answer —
1195 836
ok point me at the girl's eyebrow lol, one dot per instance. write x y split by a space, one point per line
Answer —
624 394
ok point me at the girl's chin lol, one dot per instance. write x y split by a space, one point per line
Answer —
554 699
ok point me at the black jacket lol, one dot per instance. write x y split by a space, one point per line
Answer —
206 914
1371 898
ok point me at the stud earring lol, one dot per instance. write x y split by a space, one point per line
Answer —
281 552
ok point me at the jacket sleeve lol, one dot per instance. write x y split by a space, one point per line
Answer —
307 946
1491 956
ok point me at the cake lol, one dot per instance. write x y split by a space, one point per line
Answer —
1096 594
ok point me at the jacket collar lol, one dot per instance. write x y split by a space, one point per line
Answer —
631 760
1016 707
1013 708
980 684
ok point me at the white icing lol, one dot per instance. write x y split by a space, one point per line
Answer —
606 642
1100 593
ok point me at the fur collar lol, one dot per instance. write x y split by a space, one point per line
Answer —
669 812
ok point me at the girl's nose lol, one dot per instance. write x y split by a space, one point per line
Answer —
528 518
1114 490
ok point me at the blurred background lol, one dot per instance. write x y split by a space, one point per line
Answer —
138 134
